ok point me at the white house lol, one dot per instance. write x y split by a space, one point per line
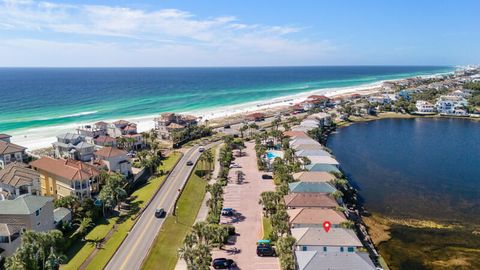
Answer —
424 106
115 159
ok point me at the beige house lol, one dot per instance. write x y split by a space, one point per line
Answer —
169 122
17 179
115 159
10 152
26 212
60 178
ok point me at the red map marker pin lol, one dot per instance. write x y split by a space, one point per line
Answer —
326 226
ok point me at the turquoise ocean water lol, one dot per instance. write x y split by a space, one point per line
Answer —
43 97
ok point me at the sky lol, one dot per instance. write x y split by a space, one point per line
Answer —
164 33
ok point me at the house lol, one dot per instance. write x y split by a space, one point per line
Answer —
257 117
61 215
314 177
18 179
324 119
380 99
424 107
89 131
26 212
311 187
63 177
315 260
121 127
317 239
315 217
309 200
323 160
5 138
322 168
445 106
135 140
74 146
312 153
10 152
115 159
295 134
170 122
310 124
105 141
308 147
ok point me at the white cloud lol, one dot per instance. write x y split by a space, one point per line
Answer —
112 35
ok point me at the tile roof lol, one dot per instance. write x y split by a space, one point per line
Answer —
108 152
308 146
317 236
323 160
10 148
314 260
314 176
311 216
23 205
175 126
104 139
307 199
301 187
295 134
4 136
68 169
18 174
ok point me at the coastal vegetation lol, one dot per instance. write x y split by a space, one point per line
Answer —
190 133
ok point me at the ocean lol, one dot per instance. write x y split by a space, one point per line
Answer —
40 98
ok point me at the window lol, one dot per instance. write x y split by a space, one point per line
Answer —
304 248
324 249
37 213
341 249
351 249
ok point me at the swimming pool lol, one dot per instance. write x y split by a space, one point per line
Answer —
272 155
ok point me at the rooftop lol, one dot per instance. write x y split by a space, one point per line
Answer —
323 168
10 148
68 169
319 237
314 260
295 134
108 152
310 199
18 174
23 205
315 216
301 187
314 176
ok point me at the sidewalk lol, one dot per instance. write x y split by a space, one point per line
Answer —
203 212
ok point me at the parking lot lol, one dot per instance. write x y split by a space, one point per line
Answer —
243 197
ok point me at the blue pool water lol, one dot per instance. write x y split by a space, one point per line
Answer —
272 155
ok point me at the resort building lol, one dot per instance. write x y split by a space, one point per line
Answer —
18 179
315 217
73 146
315 260
311 187
10 152
170 122
309 200
26 212
424 106
115 160
317 239
314 177
60 178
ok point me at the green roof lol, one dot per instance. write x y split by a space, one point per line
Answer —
322 168
298 187
23 205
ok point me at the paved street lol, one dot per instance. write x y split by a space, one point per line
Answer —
137 244
244 198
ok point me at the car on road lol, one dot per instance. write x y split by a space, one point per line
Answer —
201 149
235 165
227 212
223 263
267 176
226 126
159 212
189 163
265 250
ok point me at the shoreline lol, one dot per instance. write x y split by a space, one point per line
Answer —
43 137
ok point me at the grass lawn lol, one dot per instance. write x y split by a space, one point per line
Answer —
163 255
142 194
267 227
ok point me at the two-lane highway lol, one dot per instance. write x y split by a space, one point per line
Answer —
136 246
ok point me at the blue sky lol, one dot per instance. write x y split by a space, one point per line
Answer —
238 33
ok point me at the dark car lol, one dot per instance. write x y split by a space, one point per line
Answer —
189 163
226 126
222 263
265 250
227 212
266 176
159 212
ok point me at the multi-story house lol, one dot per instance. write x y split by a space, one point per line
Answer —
168 122
18 179
73 146
10 152
116 160
63 177
26 212
424 106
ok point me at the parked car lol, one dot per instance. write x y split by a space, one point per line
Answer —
189 163
227 212
223 263
201 149
227 126
265 250
267 176
159 212
235 165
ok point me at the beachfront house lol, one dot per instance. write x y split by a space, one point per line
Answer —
134 140
171 122
116 160
18 179
90 132
73 146
309 200
311 187
10 152
424 107
315 217
104 140
63 177
317 239
315 260
120 128
26 212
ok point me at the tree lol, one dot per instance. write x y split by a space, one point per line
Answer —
243 129
83 226
276 122
269 200
70 202
113 191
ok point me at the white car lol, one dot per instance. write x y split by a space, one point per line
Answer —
234 165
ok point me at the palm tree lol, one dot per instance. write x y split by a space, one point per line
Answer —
83 226
210 158
276 122
54 260
243 129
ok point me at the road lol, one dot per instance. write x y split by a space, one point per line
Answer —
136 246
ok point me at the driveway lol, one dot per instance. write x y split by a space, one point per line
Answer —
244 197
